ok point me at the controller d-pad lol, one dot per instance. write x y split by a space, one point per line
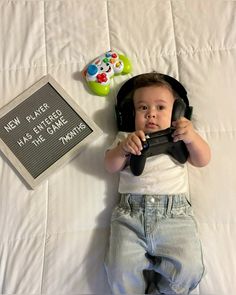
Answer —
102 78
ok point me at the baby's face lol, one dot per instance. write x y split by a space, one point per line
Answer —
153 108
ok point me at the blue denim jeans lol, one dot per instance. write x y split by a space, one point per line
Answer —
154 246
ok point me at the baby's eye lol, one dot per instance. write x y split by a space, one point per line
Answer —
160 107
142 108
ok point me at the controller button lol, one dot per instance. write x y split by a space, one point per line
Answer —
107 54
102 77
92 70
105 60
112 60
118 64
114 55
145 145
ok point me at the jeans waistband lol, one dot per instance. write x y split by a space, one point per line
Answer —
163 201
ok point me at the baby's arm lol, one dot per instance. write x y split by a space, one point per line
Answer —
116 158
199 150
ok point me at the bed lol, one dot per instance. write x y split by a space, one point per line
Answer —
54 237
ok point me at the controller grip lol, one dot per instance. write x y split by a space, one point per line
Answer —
137 164
179 151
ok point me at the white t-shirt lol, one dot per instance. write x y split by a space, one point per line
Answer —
162 174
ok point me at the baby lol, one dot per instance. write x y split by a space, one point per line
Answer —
153 231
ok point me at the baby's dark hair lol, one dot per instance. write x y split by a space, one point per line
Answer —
152 79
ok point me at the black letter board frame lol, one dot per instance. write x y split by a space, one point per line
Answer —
42 129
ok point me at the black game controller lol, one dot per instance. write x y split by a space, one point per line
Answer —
161 142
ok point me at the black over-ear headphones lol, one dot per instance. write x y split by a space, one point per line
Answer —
125 107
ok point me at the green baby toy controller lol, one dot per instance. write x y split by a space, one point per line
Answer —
99 72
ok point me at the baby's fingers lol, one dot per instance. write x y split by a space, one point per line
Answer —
133 144
178 134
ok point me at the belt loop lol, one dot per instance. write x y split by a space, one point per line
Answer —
169 205
124 201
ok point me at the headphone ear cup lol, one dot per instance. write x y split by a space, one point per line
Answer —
125 116
188 112
179 109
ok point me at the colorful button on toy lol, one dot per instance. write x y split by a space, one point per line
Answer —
92 70
102 77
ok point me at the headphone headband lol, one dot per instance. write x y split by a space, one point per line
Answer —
124 103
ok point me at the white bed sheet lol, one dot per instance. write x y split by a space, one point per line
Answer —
53 238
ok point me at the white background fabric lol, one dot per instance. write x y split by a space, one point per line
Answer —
53 238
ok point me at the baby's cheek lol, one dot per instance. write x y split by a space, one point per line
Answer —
138 121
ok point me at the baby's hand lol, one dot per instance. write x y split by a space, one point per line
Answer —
184 130
133 143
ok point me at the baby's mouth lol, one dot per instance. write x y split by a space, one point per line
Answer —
151 125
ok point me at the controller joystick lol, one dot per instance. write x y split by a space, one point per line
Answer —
99 72
161 142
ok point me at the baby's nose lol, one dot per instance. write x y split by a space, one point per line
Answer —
151 114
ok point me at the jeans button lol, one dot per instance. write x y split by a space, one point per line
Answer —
152 200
